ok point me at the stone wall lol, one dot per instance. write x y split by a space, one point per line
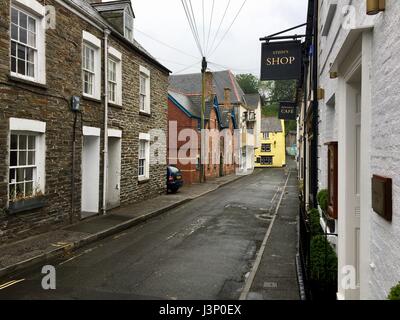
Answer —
51 104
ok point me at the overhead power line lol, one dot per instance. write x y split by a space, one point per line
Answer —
209 28
193 25
187 68
166 45
227 31
220 24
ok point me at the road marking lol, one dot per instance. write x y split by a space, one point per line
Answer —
73 258
250 279
10 283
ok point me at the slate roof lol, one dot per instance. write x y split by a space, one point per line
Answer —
113 6
270 124
191 84
252 101
192 104
86 8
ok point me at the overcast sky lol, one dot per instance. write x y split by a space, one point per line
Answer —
240 51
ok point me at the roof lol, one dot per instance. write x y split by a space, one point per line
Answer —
114 6
191 105
271 124
252 100
191 84
89 10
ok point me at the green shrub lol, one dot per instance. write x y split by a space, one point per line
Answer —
395 293
323 260
323 199
315 226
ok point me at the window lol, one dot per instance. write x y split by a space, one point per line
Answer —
267 161
266 147
128 26
112 80
144 90
26 159
144 157
88 70
91 66
265 135
114 76
27 43
22 174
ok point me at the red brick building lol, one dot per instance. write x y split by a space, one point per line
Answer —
184 115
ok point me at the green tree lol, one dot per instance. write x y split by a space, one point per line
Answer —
249 83
274 92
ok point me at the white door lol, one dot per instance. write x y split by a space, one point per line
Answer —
114 173
90 176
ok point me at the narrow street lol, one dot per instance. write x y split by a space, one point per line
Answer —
202 250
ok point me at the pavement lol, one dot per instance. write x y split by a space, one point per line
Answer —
37 250
234 238
276 274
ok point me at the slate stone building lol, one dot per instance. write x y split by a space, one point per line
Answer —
57 165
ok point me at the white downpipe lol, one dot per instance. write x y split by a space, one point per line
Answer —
105 151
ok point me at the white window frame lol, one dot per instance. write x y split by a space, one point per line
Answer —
94 43
35 10
144 137
116 57
130 28
145 73
37 129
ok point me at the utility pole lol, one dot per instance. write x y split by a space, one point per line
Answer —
203 109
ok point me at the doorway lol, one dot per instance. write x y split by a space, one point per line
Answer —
90 172
114 173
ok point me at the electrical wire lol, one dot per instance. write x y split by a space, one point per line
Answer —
220 24
227 31
192 26
195 24
191 66
209 28
165 44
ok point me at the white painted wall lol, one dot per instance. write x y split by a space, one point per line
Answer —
380 240
90 174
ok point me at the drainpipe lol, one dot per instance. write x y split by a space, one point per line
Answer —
105 150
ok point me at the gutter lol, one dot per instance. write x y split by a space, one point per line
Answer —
105 150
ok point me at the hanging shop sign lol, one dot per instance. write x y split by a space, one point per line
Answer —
281 60
288 111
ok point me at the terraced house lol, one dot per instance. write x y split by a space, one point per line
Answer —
80 104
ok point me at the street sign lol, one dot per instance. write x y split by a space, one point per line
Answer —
288 111
281 60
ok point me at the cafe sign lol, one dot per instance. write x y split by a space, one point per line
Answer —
288 111
281 60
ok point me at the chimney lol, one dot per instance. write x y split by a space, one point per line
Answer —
209 85
227 99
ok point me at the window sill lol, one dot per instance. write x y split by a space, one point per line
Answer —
91 99
146 114
26 205
114 105
143 180
27 82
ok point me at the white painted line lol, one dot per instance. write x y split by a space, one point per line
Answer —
10 283
252 275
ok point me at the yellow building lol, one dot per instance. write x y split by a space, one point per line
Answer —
272 153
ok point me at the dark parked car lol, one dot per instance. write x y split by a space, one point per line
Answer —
174 179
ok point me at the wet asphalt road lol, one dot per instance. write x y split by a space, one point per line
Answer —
201 250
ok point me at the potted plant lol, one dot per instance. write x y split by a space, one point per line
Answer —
395 293
323 201
323 269
28 202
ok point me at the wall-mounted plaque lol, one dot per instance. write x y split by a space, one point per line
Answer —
382 196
